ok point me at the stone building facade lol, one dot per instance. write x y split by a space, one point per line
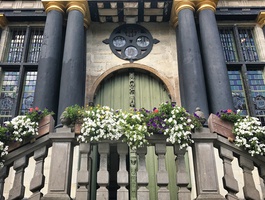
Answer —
195 53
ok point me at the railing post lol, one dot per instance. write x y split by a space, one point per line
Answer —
229 181
205 165
249 189
37 182
122 175
182 174
162 174
61 164
18 189
262 178
83 175
103 174
3 174
142 175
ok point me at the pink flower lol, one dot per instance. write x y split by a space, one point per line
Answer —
155 110
36 108
229 111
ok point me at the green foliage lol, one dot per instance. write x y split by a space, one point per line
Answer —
229 115
35 114
4 135
73 114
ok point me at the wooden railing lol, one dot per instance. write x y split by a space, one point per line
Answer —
132 179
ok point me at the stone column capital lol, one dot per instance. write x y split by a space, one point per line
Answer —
53 5
67 6
206 4
3 21
179 5
81 6
261 19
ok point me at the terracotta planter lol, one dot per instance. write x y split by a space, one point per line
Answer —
46 125
77 128
221 127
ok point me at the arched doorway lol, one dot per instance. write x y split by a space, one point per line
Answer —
134 88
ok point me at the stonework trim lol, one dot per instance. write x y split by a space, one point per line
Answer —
66 6
261 18
3 21
193 5
53 5
96 84
207 5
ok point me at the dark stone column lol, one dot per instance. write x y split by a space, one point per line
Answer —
192 86
216 76
49 70
73 73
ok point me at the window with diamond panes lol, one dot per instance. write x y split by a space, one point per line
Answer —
245 71
21 58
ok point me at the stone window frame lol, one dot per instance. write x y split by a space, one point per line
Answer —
243 67
24 68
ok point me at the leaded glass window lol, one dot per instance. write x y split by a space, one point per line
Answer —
245 71
238 44
228 43
28 91
8 95
257 88
35 45
16 45
247 44
238 94
18 70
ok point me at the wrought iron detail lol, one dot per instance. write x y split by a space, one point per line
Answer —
132 89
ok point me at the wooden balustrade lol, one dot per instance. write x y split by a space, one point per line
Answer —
63 140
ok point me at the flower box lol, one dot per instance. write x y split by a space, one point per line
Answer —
221 127
46 125
77 128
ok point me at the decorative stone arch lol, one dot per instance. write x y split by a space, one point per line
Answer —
92 90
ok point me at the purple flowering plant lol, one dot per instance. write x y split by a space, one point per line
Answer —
229 115
157 123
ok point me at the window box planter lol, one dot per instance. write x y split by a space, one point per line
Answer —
221 127
46 125
77 128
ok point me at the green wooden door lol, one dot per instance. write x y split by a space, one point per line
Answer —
136 89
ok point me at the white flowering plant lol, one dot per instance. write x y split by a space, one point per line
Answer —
99 123
250 135
21 127
174 122
3 152
179 127
134 128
